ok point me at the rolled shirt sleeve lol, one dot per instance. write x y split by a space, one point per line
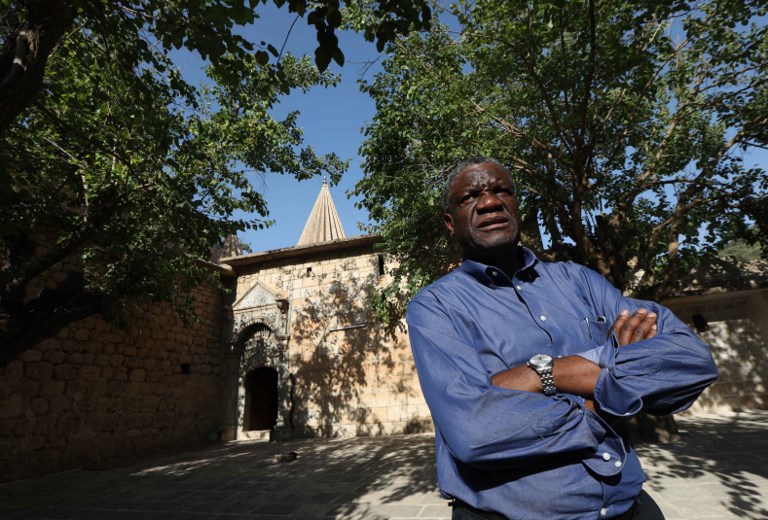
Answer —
661 375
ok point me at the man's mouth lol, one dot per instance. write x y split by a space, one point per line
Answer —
493 223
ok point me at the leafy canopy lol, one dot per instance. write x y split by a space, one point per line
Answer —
625 125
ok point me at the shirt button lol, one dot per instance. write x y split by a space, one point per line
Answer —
617 463
606 456
519 287
603 512
543 318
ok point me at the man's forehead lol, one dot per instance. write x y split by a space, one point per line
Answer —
482 173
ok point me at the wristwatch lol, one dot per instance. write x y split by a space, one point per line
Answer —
542 364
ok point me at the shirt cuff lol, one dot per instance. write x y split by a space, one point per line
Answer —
610 395
593 355
604 356
609 458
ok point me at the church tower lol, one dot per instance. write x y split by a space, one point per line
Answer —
323 224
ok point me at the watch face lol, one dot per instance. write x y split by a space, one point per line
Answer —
541 360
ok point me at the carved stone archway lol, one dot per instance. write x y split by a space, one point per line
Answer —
260 337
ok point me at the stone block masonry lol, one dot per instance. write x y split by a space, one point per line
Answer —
735 325
348 376
96 394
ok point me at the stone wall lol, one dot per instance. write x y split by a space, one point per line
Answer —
97 394
735 325
349 376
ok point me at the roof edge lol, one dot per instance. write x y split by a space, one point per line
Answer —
299 251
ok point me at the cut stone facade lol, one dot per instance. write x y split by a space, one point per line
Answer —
292 351
735 325
306 314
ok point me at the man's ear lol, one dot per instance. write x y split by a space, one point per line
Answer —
448 221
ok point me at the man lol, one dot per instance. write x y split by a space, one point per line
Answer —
529 367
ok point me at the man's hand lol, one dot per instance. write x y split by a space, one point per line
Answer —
641 325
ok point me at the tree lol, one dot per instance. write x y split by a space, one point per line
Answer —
31 30
117 176
625 124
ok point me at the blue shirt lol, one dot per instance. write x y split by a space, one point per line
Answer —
527 455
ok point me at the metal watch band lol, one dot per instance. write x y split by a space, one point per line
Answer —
547 381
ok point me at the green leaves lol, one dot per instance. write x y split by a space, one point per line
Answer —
139 34
130 173
623 125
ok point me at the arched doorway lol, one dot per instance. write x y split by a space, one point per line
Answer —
261 399
262 376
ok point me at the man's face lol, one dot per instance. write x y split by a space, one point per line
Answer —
482 212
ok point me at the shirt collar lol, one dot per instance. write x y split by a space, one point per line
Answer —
493 276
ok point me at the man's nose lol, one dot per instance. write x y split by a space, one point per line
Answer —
488 201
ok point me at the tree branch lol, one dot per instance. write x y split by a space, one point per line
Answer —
47 314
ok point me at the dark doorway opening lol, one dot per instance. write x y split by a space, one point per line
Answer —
261 399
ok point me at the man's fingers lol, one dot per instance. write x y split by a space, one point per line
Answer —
620 321
639 326
653 329
646 328
629 333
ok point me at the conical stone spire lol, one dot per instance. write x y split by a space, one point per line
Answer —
323 224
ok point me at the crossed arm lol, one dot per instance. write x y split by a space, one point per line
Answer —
574 374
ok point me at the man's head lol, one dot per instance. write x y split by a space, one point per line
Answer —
481 210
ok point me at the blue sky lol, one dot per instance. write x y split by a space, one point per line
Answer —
331 118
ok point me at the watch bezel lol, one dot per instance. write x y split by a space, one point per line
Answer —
540 361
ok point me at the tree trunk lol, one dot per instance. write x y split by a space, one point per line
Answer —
44 316
24 55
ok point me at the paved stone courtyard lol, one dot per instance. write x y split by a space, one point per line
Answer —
717 470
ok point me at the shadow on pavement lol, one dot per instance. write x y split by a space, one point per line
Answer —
725 455
365 478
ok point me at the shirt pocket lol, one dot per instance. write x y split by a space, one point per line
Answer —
597 329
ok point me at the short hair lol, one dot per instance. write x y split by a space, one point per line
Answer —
463 165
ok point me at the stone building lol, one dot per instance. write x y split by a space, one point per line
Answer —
290 351
727 305
305 356
96 394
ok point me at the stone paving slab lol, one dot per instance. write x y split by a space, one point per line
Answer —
717 470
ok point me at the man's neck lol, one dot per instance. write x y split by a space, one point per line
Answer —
509 259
